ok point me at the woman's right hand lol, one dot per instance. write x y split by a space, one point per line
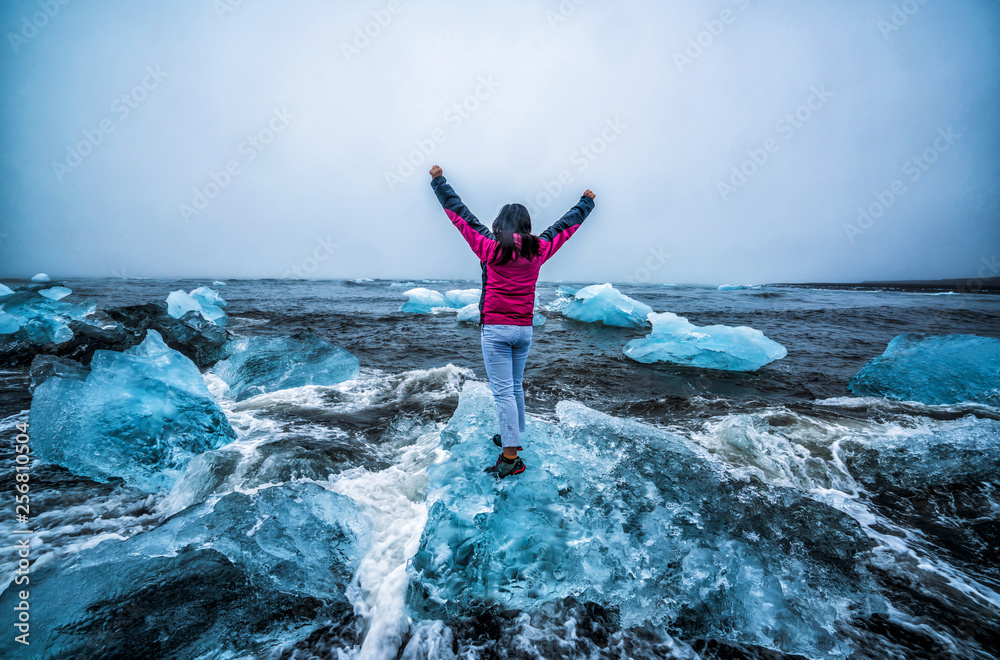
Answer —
436 172
588 193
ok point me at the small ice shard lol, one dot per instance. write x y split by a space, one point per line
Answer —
738 287
269 364
602 303
218 283
8 324
934 369
537 319
41 277
675 339
423 301
140 415
462 297
403 284
5 290
203 300
56 292
566 290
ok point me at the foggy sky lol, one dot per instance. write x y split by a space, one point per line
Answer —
289 128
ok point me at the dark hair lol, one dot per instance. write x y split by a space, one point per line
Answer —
514 219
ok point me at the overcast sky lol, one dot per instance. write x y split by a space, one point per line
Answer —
728 141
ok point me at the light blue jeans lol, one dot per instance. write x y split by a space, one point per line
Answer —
505 350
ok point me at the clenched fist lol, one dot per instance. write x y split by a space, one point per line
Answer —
588 193
436 172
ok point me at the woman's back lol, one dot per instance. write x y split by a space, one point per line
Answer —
508 296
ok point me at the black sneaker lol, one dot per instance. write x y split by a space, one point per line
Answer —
499 443
502 468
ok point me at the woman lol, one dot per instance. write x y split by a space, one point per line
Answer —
510 257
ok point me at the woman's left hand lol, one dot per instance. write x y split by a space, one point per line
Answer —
436 172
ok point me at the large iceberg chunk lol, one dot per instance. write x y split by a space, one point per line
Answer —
140 415
202 300
675 339
267 364
230 578
5 290
602 303
934 369
638 519
41 277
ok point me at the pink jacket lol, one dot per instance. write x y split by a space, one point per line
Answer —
508 290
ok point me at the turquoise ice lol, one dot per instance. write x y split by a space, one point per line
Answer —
267 364
934 369
139 415
636 518
675 339
602 303
226 578
202 300
427 301
42 319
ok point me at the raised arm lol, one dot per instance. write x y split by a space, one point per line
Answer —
479 238
556 236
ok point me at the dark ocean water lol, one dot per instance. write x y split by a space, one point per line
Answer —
816 524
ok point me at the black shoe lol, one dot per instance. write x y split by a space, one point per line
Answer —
502 468
499 443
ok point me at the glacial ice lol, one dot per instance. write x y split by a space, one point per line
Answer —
139 415
675 339
423 301
634 518
218 283
462 297
428 301
222 579
602 303
268 364
203 300
469 314
5 290
42 319
738 287
934 369
41 277
56 292
8 324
